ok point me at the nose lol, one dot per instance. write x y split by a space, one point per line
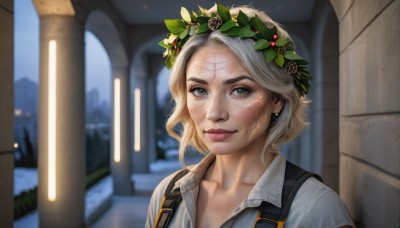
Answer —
216 110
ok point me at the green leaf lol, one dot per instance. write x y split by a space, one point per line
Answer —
224 13
291 55
271 32
228 25
233 31
202 28
246 32
261 44
242 19
300 62
281 42
305 90
279 60
259 25
202 11
175 26
168 62
203 19
163 44
186 15
183 34
269 54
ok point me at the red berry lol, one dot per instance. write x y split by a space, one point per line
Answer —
273 44
275 37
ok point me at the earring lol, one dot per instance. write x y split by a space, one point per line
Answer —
274 116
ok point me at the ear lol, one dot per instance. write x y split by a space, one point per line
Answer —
278 104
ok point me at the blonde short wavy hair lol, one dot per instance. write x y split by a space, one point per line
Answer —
291 120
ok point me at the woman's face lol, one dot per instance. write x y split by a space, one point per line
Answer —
231 111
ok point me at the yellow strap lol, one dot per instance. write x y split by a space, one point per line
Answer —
280 224
159 213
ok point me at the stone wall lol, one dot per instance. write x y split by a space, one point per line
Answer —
6 112
370 110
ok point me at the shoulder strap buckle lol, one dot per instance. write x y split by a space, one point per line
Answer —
262 222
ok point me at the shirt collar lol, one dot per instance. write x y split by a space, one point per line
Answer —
268 188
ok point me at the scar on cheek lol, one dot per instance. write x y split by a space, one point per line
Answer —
254 104
260 122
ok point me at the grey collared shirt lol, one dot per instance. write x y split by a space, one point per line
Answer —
315 205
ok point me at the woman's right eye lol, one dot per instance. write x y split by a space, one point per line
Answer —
198 91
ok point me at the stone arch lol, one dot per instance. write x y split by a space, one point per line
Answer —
104 29
146 62
103 25
325 95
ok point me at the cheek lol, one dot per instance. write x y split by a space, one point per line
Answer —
196 110
254 116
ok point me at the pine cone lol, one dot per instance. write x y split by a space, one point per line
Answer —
281 50
214 23
291 67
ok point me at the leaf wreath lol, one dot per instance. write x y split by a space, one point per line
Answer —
274 48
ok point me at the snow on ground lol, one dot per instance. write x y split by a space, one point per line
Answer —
97 196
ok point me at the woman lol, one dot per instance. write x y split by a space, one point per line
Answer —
239 91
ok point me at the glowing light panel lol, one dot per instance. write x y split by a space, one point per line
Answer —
117 120
52 143
137 120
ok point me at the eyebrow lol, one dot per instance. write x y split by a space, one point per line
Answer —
229 81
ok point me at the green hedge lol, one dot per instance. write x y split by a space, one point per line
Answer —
27 200
97 175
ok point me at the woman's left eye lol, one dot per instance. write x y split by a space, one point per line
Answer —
241 91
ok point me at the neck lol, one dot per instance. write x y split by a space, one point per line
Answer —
238 169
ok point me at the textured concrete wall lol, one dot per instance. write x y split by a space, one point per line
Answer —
6 112
370 110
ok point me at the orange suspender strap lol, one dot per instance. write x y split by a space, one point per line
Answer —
170 203
271 216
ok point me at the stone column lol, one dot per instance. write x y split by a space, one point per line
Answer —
120 145
157 63
61 135
140 132
7 113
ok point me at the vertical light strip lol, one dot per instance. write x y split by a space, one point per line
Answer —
52 139
137 120
117 120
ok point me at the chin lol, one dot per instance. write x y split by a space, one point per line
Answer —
221 150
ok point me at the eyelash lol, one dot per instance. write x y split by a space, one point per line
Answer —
246 89
194 90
